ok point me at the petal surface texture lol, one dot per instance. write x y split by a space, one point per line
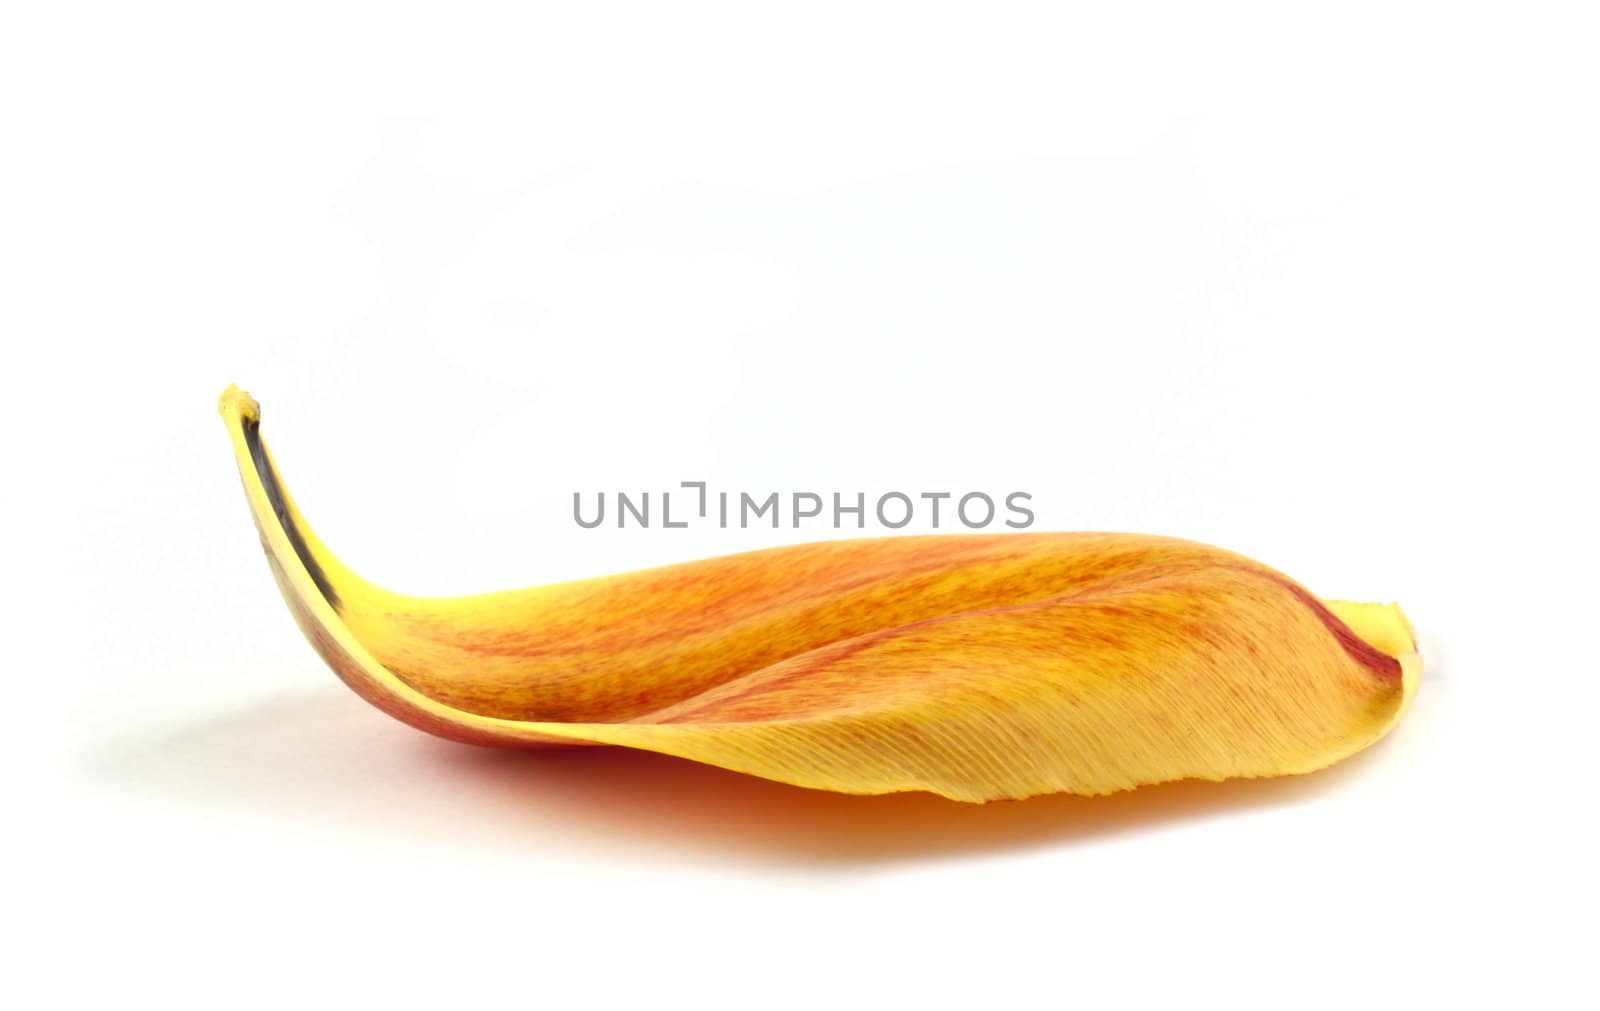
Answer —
979 667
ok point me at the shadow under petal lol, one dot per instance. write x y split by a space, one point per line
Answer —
327 758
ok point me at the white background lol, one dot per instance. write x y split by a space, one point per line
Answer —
1315 286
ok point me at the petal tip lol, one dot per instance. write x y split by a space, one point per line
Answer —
1381 625
236 404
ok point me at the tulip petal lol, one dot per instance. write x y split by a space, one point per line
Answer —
978 667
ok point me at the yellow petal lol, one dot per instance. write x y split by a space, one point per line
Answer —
978 667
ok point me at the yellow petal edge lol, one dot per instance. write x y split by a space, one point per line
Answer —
979 667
